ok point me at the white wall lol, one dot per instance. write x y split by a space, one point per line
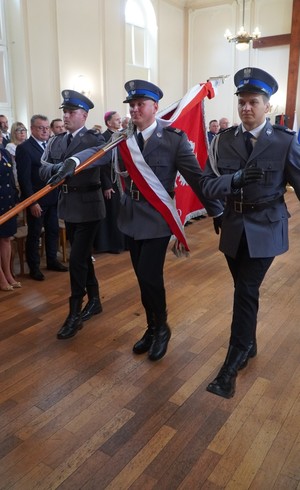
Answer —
172 64
211 55
53 41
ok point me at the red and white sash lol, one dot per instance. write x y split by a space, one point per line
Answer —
151 187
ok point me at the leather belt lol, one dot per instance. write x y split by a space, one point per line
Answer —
248 207
136 195
80 188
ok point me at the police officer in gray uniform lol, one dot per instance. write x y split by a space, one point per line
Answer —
249 166
166 151
80 204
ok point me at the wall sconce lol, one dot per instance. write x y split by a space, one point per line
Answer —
82 85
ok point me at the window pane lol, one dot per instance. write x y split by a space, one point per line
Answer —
128 44
139 46
134 14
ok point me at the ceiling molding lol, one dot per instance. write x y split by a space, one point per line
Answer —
198 4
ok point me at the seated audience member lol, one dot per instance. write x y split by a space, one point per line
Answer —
213 129
109 238
18 134
223 123
8 198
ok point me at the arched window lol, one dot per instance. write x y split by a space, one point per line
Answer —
141 40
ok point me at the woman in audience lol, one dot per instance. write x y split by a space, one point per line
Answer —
18 134
8 199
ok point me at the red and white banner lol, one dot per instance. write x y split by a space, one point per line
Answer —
188 115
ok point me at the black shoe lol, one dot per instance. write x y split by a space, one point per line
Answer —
73 322
160 342
252 353
57 266
93 307
37 275
224 384
70 328
144 344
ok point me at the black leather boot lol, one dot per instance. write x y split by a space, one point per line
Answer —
144 344
252 352
93 306
73 322
162 335
224 383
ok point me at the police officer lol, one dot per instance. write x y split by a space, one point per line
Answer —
249 167
163 152
80 204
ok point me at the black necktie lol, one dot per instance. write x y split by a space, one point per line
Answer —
140 141
69 138
44 145
248 142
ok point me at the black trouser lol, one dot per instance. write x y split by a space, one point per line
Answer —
248 274
148 258
82 274
49 221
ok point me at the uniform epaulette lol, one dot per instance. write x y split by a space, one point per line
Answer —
227 129
284 128
96 132
175 130
57 136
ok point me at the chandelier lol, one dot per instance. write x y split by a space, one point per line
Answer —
242 38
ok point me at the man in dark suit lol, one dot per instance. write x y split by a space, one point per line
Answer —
165 152
44 212
250 166
213 129
81 205
5 130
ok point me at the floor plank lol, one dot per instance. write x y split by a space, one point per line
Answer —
88 414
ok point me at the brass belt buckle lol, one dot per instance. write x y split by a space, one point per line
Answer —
135 195
64 188
238 206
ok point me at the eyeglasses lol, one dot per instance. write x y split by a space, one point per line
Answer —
42 128
21 130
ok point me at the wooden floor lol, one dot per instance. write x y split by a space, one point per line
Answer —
87 414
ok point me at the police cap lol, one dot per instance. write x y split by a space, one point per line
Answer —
141 88
75 100
255 80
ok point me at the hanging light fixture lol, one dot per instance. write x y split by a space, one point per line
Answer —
242 38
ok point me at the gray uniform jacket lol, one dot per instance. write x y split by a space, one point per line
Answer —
167 152
277 152
82 205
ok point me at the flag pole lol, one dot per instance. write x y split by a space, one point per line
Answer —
48 188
